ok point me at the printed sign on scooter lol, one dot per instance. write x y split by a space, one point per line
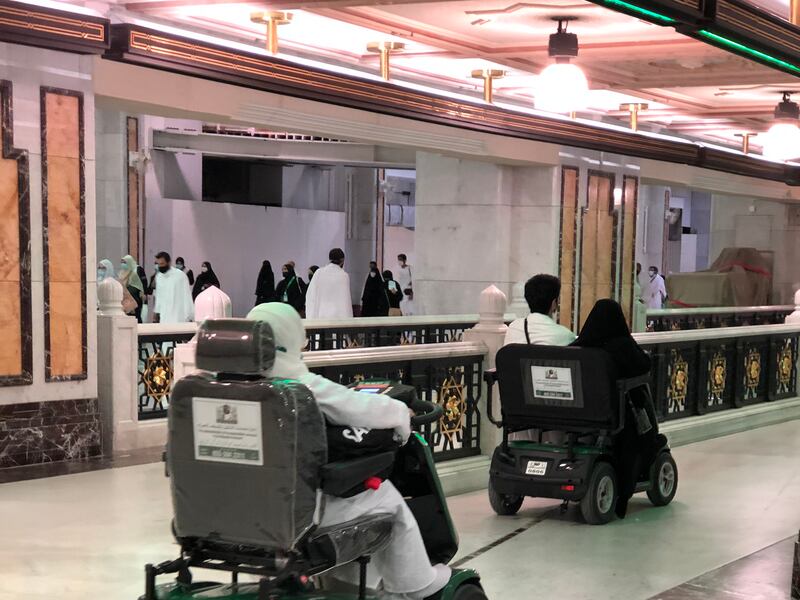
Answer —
552 383
227 431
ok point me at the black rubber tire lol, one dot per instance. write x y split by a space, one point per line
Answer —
503 504
663 480
596 506
469 591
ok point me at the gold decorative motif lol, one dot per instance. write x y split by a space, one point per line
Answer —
157 376
678 373
785 365
717 376
752 373
451 397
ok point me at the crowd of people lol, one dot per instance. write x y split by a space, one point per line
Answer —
171 290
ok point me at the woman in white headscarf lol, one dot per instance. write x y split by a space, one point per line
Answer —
403 566
105 269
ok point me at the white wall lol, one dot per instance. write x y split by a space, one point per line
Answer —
398 240
236 238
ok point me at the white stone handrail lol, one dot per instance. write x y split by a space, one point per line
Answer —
717 310
695 335
325 358
413 321
167 328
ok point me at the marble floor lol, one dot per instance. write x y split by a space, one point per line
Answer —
726 536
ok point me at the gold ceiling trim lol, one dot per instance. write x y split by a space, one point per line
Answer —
26 20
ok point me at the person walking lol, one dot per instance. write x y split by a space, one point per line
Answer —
130 280
393 293
374 300
265 284
173 293
329 292
291 289
405 279
205 280
180 264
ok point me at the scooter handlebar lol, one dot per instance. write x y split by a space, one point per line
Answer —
426 413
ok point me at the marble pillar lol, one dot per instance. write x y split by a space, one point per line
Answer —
56 419
477 224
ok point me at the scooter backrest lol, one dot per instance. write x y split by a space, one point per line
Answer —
244 452
556 387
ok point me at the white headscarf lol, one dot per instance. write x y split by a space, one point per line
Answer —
290 338
109 266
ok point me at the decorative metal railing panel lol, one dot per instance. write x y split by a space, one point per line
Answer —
377 335
695 377
452 382
711 318
155 372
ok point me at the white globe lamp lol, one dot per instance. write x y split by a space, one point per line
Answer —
562 86
782 141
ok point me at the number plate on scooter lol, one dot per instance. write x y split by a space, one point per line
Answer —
536 467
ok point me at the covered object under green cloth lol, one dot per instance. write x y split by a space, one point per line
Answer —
739 277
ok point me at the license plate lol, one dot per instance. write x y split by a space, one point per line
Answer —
536 467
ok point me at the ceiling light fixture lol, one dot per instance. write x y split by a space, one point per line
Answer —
271 19
562 86
385 49
782 141
488 76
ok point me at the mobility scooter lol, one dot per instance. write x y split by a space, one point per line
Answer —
248 464
567 390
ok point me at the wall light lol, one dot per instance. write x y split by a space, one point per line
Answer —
782 141
562 86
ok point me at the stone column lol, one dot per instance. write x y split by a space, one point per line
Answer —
491 330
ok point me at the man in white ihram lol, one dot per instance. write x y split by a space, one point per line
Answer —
406 282
655 292
403 567
328 295
173 294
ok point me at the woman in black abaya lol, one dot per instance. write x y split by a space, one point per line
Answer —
265 285
606 328
206 279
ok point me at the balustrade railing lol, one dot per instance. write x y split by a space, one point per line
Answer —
697 372
680 319
156 365
375 332
445 374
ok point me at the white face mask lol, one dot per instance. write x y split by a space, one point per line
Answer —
204 269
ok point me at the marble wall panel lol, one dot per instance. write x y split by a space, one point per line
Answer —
597 243
570 177
63 207
16 360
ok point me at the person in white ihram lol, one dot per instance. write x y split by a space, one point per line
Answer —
328 295
403 567
404 278
541 293
656 292
173 293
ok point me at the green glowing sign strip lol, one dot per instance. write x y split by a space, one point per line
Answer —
639 10
747 50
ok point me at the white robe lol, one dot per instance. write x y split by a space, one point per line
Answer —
655 292
403 565
403 277
542 330
328 295
173 297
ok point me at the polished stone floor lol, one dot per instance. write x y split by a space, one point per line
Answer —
726 536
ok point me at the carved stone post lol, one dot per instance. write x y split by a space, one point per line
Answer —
794 318
491 330
519 306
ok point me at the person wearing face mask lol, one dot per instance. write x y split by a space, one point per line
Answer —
173 293
329 292
205 280
180 264
291 289
374 301
130 280
655 292
105 269
393 293
404 278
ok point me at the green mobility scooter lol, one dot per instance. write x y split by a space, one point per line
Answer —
570 391
248 461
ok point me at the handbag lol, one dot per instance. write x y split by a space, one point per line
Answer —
129 305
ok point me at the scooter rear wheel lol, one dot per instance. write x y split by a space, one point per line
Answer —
504 504
597 506
469 591
663 480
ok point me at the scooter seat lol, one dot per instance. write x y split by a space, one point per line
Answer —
346 542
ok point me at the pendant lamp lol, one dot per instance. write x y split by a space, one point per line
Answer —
562 86
782 141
